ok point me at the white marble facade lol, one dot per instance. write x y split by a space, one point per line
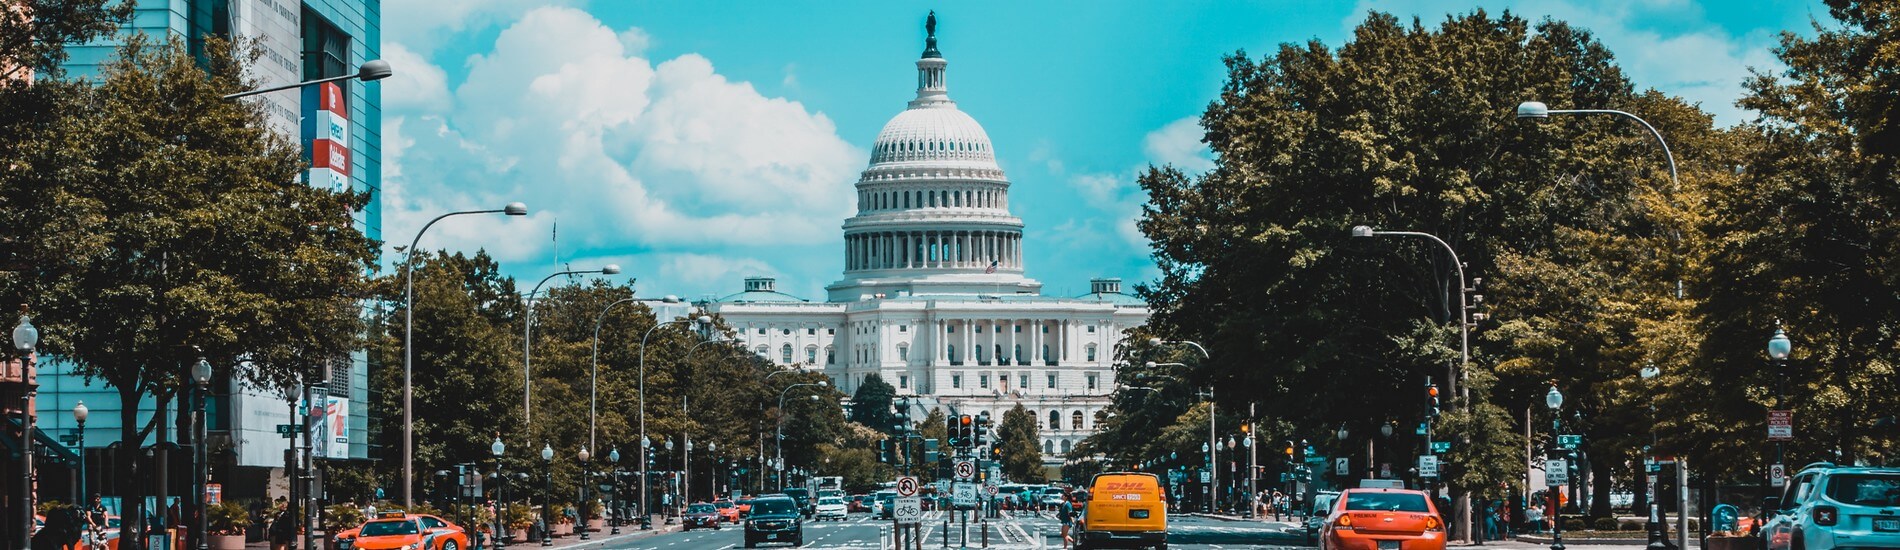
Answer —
934 297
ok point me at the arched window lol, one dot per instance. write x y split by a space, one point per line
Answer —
951 351
1075 421
785 354
831 356
1000 358
1066 447
811 355
1049 447
1055 420
764 351
1091 352
1045 353
979 354
903 352
1019 354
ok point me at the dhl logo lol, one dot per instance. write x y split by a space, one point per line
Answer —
1124 486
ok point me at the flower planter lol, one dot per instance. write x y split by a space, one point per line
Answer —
226 542
596 524
563 529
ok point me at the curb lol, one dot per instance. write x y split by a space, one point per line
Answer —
601 541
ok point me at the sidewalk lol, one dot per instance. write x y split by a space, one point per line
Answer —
595 540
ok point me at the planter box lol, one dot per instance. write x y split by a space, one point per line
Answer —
563 529
226 542
596 524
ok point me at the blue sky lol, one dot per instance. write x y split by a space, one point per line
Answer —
694 144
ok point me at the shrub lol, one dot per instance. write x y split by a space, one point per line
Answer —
1573 524
227 518
339 517
1605 524
519 516
1630 526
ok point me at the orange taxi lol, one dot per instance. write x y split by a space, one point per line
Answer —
395 530
744 504
727 511
1383 519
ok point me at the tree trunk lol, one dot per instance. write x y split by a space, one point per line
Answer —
131 490
1600 489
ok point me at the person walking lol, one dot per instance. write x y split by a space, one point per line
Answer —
1065 515
283 530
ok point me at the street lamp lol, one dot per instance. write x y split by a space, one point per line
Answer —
1536 110
779 440
496 450
547 493
25 340
371 71
1555 401
201 375
1465 316
79 416
593 394
527 339
584 508
408 349
613 488
1779 348
703 320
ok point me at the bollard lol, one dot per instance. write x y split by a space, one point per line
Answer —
984 526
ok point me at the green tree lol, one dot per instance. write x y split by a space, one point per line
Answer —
931 428
184 234
1407 127
1020 446
34 35
871 406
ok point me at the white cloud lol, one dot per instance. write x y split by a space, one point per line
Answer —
1179 144
565 114
425 24
417 84
1694 58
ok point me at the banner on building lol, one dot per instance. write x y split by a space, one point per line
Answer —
327 130
330 434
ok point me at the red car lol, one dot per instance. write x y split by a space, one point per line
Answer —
1383 519
727 511
701 514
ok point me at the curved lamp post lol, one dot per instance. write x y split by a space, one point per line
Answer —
1536 110
702 319
408 350
1212 473
527 339
371 71
779 441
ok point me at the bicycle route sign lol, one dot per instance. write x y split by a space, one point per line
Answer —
908 510
906 486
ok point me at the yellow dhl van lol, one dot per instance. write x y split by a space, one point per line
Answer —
1125 510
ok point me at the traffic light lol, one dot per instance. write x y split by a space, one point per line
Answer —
996 453
1289 450
965 434
982 429
900 415
930 450
1431 399
884 451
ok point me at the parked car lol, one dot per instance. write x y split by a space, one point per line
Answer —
774 519
1828 506
701 514
832 507
1383 519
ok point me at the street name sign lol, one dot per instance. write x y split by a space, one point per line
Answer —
287 430
906 486
1556 472
1780 425
966 469
1570 441
1428 466
1441 446
965 494
908 510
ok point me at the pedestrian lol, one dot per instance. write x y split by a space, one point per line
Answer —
283 530
1065 514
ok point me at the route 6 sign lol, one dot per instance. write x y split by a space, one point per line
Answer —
907 486
966 469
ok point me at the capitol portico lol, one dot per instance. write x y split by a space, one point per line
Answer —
934 298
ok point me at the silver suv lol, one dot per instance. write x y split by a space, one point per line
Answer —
1827 506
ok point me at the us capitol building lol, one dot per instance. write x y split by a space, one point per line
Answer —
934 298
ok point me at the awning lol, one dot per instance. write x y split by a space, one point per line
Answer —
44 446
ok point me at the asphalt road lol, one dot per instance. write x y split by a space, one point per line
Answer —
1013 531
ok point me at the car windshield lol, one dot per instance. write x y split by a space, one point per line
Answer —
723 504
831 500
1865 489
701 509
795 493
386 528
1386 502
772 506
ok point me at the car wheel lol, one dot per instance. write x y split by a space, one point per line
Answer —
749 543
448 545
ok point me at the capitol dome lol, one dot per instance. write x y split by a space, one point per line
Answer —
935 132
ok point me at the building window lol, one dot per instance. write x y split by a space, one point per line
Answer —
1091 329
979 356
951 351
1052 382
956 381
1045 353
1019 354
811 332
903 382
1045 329
1091 378
1022 380
1055 420
761 331
1090 350
785 353
1075 423
903 352
831 356
1065 447
831 331
1049 447
1019 328
950 328
1000 358
811 355
983 381
979 329
786 331
765 351
903 328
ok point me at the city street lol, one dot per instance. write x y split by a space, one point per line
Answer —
1013 531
